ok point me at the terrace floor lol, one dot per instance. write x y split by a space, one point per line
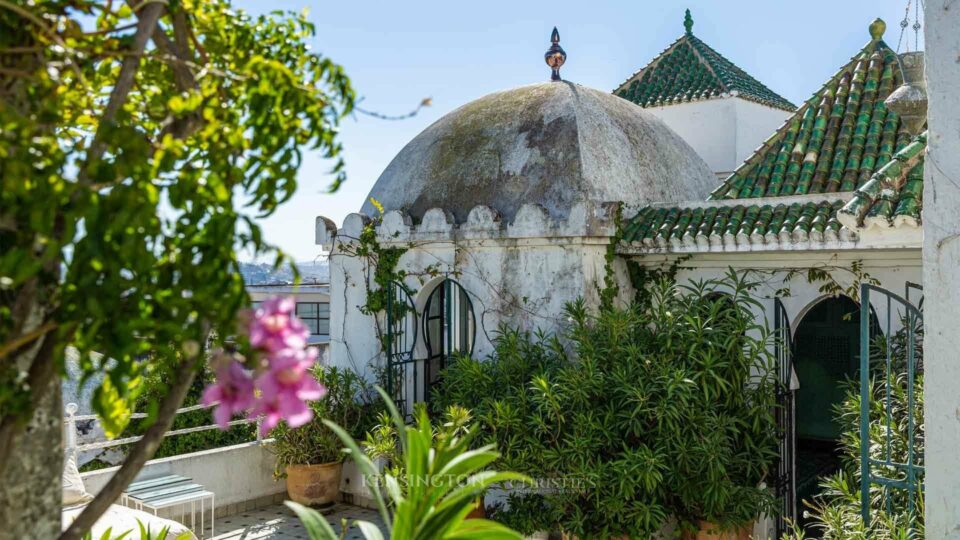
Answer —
278 522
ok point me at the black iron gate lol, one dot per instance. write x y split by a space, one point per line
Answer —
785 482
402 379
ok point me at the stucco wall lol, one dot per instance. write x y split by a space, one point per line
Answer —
235 474
522 272
724 131
891 267
941 257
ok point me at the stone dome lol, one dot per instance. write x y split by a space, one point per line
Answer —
555 144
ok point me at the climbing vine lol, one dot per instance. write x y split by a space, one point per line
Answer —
610 287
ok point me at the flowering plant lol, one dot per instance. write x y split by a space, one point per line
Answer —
274 381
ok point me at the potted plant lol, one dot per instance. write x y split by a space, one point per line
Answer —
310 457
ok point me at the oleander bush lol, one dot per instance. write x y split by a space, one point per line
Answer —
661 410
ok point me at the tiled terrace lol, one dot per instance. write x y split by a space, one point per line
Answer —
278 522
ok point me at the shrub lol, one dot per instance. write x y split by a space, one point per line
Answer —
662 409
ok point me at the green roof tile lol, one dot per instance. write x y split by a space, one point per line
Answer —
690 70
836 140
734 226
893 195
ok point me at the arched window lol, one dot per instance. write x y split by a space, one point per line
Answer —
449 327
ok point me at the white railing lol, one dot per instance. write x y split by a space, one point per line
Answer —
71 419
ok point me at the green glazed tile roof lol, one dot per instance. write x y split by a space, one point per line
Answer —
894 194
690 70
733 226
836 140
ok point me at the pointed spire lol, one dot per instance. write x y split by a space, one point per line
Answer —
688 23
555 55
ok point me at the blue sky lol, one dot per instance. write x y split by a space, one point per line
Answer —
397 53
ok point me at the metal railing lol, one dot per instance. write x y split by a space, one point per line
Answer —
71 419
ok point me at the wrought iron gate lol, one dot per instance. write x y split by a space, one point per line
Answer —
891 471
402 379
786 465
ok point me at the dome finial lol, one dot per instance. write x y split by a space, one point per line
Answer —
555 55
688 22
877 28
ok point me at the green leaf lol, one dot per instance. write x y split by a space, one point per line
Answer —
315 524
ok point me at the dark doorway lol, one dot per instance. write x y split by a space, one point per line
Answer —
449 329
827 356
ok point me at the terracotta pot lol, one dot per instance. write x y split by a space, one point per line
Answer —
479 511
314 485
711 531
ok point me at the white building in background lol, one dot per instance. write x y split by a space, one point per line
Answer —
718 108
313 308
514 204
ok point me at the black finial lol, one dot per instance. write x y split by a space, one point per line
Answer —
688 23
555 55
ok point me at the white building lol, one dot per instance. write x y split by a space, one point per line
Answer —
516 203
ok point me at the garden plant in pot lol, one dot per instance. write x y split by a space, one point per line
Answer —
311 456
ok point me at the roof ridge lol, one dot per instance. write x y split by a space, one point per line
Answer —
703 58
682 80
818 149
652 63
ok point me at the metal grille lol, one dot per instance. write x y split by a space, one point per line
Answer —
402 377
891 472
786 464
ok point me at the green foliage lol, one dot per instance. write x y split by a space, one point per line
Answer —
444 477
383 441
347 402
836 514
123 206
665 408
527 513
176 445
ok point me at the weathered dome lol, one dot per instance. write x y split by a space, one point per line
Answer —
554 143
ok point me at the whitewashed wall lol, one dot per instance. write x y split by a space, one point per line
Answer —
892 267
724 131
522 272
941 255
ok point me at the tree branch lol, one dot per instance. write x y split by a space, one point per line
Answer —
141 452
147 22
24 339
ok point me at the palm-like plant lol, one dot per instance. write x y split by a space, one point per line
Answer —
443 479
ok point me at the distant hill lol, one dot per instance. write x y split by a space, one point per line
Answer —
263 273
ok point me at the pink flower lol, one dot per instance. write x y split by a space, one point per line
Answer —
285 388
284 384
275 327
232 391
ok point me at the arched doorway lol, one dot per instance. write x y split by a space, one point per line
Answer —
826 357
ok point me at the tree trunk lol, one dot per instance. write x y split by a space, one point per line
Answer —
30 483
